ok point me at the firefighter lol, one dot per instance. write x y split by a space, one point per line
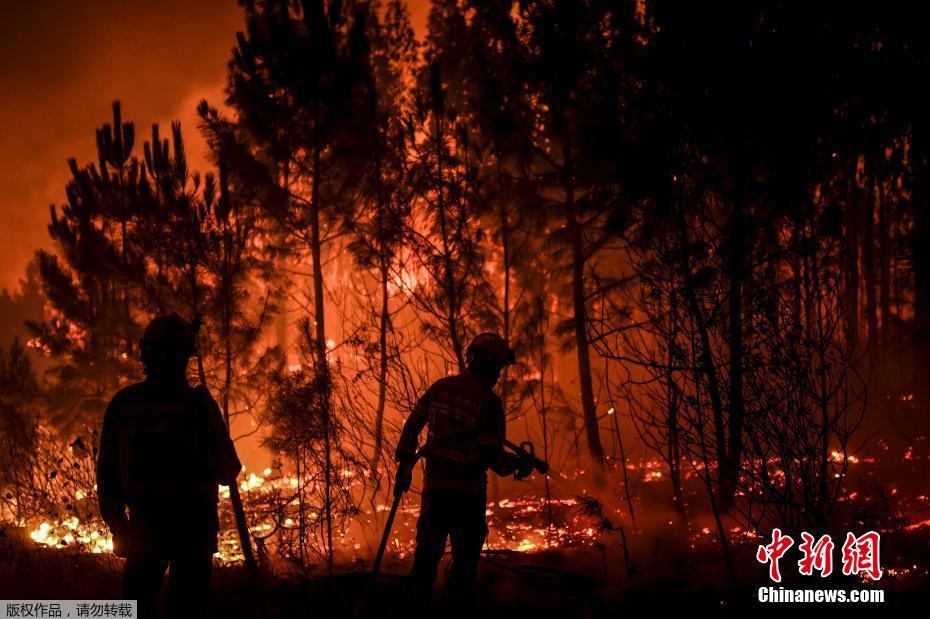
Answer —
465 438
164 449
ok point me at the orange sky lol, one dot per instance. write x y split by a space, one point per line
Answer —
64 61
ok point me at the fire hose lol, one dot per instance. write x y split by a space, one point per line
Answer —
526 461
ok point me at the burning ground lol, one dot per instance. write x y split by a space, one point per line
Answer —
585 557
704 233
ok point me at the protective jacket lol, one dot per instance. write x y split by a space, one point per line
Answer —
466 432
164 449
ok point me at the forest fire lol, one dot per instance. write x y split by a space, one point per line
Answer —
626 302
516 524
519 522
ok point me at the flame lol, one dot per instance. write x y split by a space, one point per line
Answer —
517 524
71 531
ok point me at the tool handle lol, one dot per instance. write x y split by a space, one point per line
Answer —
376 566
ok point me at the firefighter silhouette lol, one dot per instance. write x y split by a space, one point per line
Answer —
164 449
465 438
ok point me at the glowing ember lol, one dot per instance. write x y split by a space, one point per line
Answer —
70 532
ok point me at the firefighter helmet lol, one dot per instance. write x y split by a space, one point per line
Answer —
169 332
490 348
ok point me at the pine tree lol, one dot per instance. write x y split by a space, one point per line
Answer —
291 81
386 50
447 243
94 277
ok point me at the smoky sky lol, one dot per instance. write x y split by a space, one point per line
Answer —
62 63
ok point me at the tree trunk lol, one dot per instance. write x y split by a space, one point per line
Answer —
920 248
707 365
868 258
626 473
545 428
301 523
736 270
579 312
851 257
452 308
382 366
715 509
884 260
322 365
127 316
385 316
671 404
505 249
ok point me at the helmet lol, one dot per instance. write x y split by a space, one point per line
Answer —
490 347
169 333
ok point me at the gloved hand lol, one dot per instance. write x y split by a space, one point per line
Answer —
504 464
524 468
403 478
